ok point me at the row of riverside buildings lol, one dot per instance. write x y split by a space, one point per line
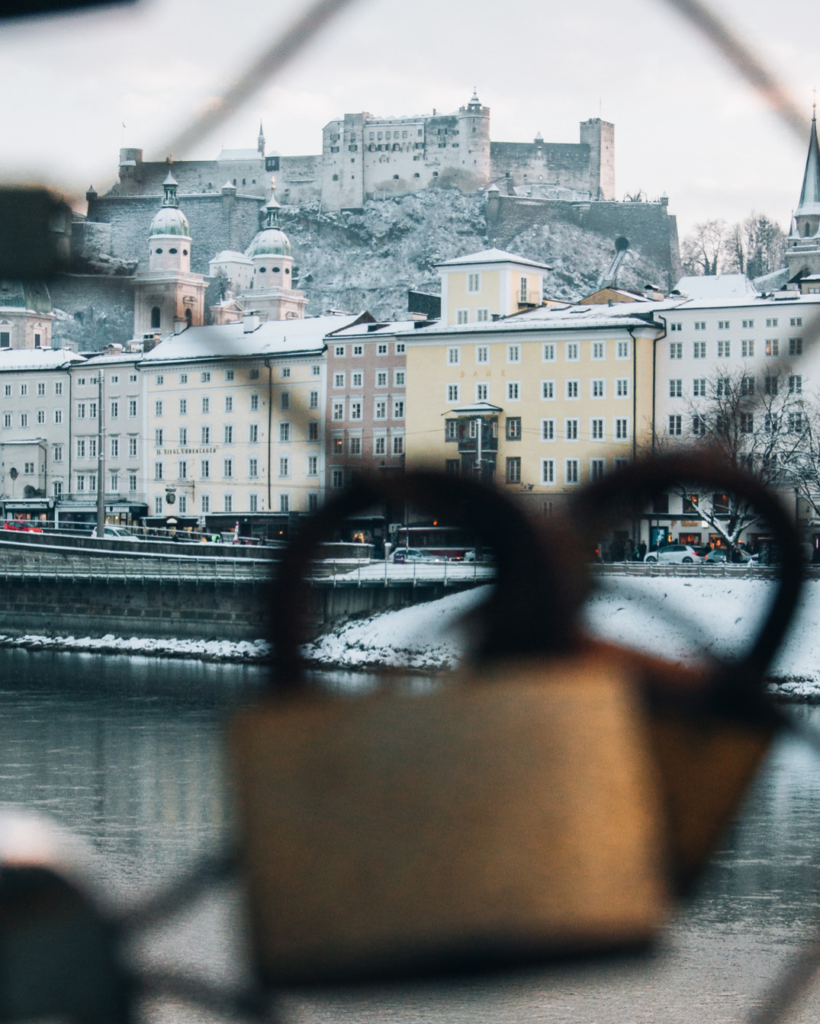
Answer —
259 416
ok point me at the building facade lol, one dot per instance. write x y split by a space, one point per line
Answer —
487 285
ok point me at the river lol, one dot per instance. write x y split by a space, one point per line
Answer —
127 752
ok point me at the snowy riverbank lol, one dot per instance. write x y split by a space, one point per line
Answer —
677 618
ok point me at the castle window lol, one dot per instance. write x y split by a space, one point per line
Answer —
395 177
261 270
274 270
184 252
155 314
287 271
159 252
173 252
243 181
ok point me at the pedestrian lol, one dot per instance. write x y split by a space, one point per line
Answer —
642 551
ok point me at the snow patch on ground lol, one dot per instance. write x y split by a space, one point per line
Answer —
204 650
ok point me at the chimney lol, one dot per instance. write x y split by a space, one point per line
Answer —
250 322
179 325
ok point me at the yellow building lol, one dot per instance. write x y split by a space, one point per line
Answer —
235 420
539 403
487 285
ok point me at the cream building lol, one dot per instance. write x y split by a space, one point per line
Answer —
539 403
25 315
486 285
235 420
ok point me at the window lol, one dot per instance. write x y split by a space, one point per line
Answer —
573 387
450 430
398 378
547 471
227 503
622 387
773 322
596 469
699 350
205 377
482 354
339 380
571 430
228 403
28 469
453 356
482 315
227 468
513 353
674 426
358 350
380 409
23 419
796 422
571 471
699 387
253 468
573 352
338 411
81 381
183 504
316 371
355 446
58 453
41 390
724 325
453 391
80 447
160 380
253 433
676 327
338 351
723 387
284 465
698 426
622 351
596 429
452 467
398 444
41 415
747 423
205 469
400 348
313 465
547 390
724 347
770 385
313 431
158 468
205 503
132 378
622 429
523 291
381 378
228 434
182 469
253 374
795 384
92 410
676 350
284 400
158 505
675 388
795 346
747 348
157 408
356 380
513 390
474 283
482 392
92 447
514 471
513 428
748 324
158 437
132 407
132 447
7 390
205 435
206 405
5 339
380 445
284 433
183 378
772 347
548 430
548 352
747 385
700 325
255 401
80 407
398 408
80 482
114 447
381 348
462 316
7 419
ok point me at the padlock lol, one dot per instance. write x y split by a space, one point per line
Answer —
546 803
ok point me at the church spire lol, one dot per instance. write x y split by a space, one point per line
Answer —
260 142
810 193
170 188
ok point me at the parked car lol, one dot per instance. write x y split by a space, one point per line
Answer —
21 526
717 556
680 553
415 555
114 533
487 555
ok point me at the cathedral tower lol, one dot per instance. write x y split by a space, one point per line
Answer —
168 293
803 246
271 291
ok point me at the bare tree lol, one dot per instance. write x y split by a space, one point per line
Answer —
763 425
701 251
754 247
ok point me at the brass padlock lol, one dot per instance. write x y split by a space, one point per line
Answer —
540 805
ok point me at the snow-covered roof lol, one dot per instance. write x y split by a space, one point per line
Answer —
491 256
229 256
271 338
553 319
381 328
38 358
114 358
240 154
716 286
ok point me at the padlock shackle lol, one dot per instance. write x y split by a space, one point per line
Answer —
538 591
737 684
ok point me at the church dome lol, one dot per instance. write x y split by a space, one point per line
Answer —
270 242
169 220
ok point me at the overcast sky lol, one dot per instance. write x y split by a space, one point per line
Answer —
684 123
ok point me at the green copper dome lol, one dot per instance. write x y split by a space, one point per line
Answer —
270 242
170 220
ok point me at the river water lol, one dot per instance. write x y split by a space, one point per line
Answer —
128 753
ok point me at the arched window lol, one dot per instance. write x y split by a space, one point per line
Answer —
155 318
188 317
806 230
